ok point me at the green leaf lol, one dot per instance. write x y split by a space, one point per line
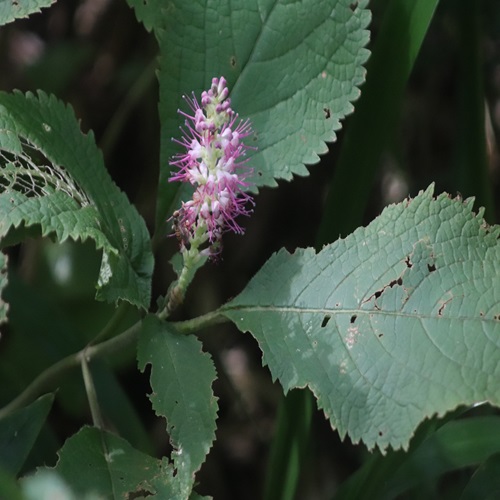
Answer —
19 430
293 69
40 334
485 483
9 487
116 407
151 13
458 444
53 176
17 9
371 479
181 379
97 462
55 211
4 307
395 323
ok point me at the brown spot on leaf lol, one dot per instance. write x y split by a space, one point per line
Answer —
325 321
328 113
443 305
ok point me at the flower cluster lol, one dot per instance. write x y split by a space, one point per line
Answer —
214 163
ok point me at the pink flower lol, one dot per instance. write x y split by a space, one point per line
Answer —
214 162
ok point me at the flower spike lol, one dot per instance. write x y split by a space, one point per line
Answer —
214 162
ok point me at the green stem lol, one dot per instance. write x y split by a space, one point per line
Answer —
193 260
52 375
191 325
95 409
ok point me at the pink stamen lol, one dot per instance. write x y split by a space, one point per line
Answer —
214 162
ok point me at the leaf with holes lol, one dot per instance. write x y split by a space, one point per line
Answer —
181 379
397 322
293 69
99 463
53 181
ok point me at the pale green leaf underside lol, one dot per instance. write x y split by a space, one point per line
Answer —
100 463
17 9
395 323
53 176
293 69
181 379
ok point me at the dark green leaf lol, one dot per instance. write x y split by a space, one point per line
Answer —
458 444
9 487
485 483
40 335
18 432
117 407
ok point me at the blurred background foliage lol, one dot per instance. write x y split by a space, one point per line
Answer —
94 55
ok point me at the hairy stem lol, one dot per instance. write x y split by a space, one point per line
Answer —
192 325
